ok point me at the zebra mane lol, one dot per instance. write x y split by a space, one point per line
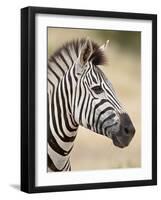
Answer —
98 57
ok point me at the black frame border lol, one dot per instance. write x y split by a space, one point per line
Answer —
28 98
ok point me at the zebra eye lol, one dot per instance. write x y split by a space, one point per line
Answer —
97 89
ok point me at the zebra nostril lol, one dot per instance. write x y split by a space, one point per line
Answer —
126 131
129 130
127 126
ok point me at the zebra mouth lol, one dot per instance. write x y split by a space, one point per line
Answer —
117 142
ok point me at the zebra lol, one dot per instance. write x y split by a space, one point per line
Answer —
79 93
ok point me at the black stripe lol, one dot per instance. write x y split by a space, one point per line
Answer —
67 138
51 165
69 106
85 95
68 53
74 74
114 103
83 104
88 80
77 48
53 72
63 59
93 78
66 165
70 82
89 113
64 139
51 83
53 120
112 97
96 106
51 140
106 119
107 127
109 86
110 100
69 168
106 81
99 116
87 106
55 146
53 59
80 89
64 110
90 90
80 94
67 94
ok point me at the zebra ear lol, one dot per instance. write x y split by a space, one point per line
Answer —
85 52
105 46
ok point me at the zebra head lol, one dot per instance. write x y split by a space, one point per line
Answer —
96 106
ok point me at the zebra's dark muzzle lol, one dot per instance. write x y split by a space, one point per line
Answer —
127 131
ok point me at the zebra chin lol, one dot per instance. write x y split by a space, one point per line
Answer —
121 142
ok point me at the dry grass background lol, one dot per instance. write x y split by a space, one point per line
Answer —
91 150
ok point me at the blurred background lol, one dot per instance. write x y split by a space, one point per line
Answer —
91 150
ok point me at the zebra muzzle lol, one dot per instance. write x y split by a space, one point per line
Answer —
127 131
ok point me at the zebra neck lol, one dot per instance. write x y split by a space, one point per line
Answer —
59 151
61 130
